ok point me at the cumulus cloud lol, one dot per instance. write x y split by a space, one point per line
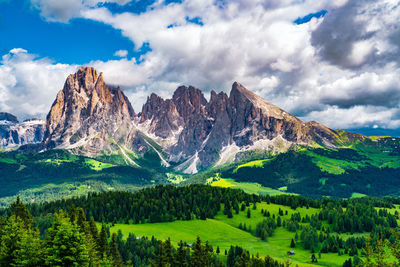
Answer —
121 53
356 117
358 32
65 10
233 44
29 84
342 69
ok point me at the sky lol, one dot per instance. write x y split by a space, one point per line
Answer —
332 61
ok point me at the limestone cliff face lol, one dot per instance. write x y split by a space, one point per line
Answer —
161 116
226 126
87 114
189 101
253 119
14 133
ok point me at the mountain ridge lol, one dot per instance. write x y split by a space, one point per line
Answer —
91 118
94 137
14 133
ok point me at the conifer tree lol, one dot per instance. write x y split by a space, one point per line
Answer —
313 258
19 210
93 229
73 213
65 245
197 258
81 220
292 244
19 245
168 258
102 242
244 260
114 251
180 255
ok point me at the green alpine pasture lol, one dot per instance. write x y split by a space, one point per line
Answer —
224 232
57 174
250 188
97 165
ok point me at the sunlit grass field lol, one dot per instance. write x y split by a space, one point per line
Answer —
250 188
224 232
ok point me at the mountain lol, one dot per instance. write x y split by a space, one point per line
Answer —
93 140
202 133
87 113
91 118
13 133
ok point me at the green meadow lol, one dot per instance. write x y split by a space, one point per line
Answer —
250 188
224 232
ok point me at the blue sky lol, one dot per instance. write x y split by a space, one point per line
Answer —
77 42
333 61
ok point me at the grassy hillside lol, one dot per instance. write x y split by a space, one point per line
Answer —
57 174
224 232
250 188
266 225
361 167
370 167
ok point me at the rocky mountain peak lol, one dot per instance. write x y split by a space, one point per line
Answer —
162 117
217 104
189 101
151 107
13 133
166 118
87 112
240 93
4 116
84 78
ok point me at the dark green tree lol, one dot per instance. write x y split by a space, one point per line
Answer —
102 241
65 245
181 255
19 210
292 244
197 258
313 258
19 245
116 257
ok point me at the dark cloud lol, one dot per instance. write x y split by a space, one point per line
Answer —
337 34
389 98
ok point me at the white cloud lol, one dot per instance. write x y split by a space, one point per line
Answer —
232 44
360 52
121 53
356 117
18 51
58 11
28 84
65 10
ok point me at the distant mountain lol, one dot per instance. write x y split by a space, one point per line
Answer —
202 133
92 118
13 133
